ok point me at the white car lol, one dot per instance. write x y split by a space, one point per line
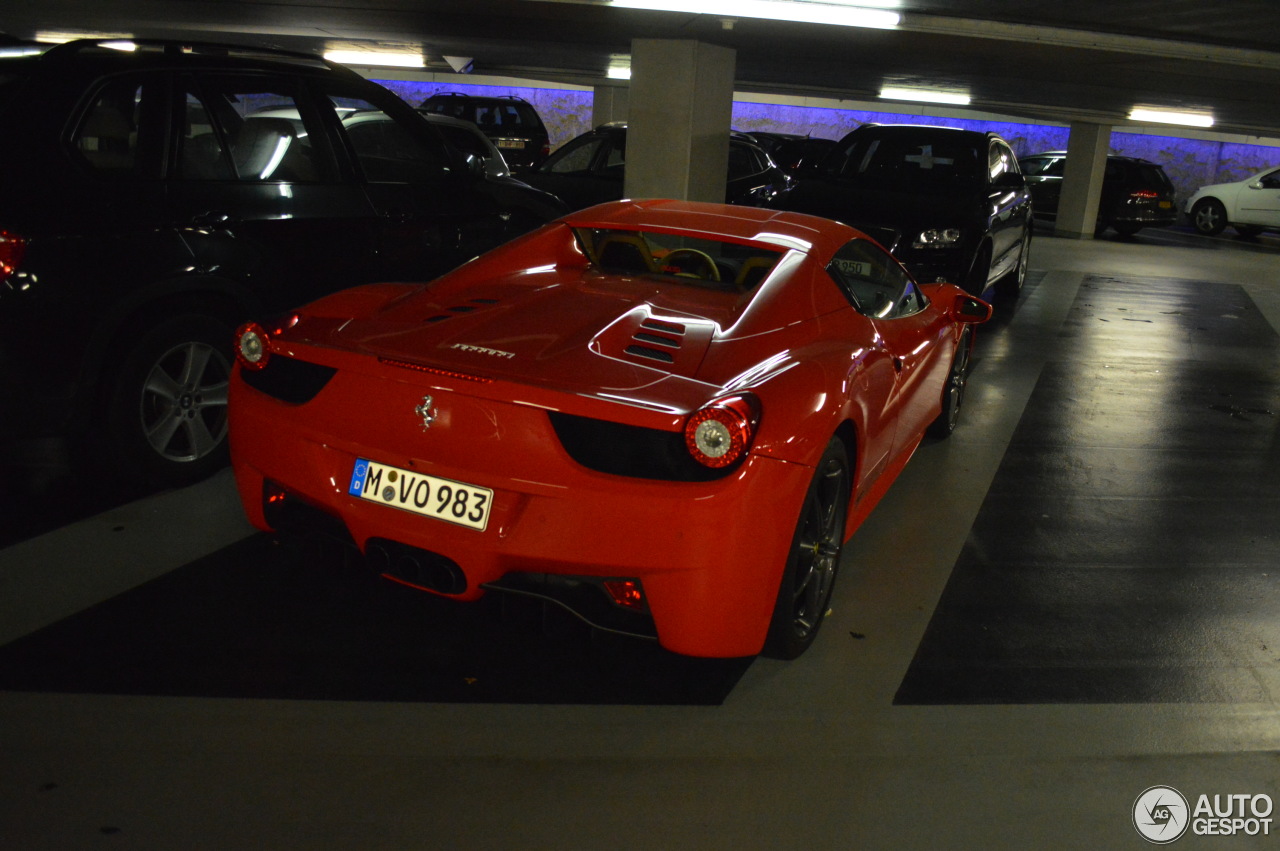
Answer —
1250 206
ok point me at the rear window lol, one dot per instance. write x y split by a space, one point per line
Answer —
1153 175
489 115
678 258
911 162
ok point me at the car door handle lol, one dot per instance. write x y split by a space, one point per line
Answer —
897 364
211 220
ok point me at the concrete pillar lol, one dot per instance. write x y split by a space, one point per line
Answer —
1086 165
609 103
678 128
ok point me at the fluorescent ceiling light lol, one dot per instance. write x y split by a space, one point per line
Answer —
618 72
803 11
376 57
924 95
1166 116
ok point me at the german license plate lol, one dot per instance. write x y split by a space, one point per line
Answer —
443 499
510 143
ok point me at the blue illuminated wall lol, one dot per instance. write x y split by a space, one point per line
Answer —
1189 163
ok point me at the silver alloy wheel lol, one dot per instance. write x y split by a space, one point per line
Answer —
1209 217
183 408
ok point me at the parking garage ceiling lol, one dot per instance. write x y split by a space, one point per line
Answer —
1089 60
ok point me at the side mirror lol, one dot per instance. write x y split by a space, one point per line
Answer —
971 310
475 165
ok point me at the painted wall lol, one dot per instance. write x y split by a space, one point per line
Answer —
1190 163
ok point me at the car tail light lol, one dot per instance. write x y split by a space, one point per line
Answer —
12 248
1144 193
251 346
253 340
721 432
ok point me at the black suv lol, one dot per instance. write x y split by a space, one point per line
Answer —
1136 193
591 168
151 200
510 122
951 205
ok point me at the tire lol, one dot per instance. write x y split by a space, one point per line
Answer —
953 391
1011 284
810 572
167 406
1248 231
1209 217
1126 228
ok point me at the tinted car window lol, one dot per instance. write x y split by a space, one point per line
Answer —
873 281
1001 160
1043 166
107 137
576 157
908 163
388 149
743 161
247 129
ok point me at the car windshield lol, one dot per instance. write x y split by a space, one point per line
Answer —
912 162
679 258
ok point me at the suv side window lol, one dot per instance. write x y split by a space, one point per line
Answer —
387 148
250 129
1001 160
576 158
107 138
873 281
1043 166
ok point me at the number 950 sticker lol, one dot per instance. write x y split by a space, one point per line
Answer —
443 499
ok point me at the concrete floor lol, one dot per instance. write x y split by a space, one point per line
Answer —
812 753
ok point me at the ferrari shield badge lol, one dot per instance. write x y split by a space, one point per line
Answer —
427 412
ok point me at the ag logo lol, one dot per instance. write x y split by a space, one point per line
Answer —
1161 815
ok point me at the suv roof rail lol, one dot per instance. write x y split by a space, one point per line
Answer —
176 47
477 97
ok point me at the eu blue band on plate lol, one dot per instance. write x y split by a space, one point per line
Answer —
358 476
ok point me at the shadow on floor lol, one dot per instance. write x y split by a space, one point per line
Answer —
264 620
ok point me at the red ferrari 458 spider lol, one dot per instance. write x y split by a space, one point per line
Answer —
666 417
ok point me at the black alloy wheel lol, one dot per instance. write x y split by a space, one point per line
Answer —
953 390
810 573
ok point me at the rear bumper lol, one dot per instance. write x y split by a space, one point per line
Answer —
709 555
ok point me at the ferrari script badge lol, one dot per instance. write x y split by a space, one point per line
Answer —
427 412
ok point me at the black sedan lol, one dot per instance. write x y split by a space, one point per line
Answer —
951 204
589 169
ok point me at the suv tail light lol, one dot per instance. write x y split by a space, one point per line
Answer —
12 249
720 433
